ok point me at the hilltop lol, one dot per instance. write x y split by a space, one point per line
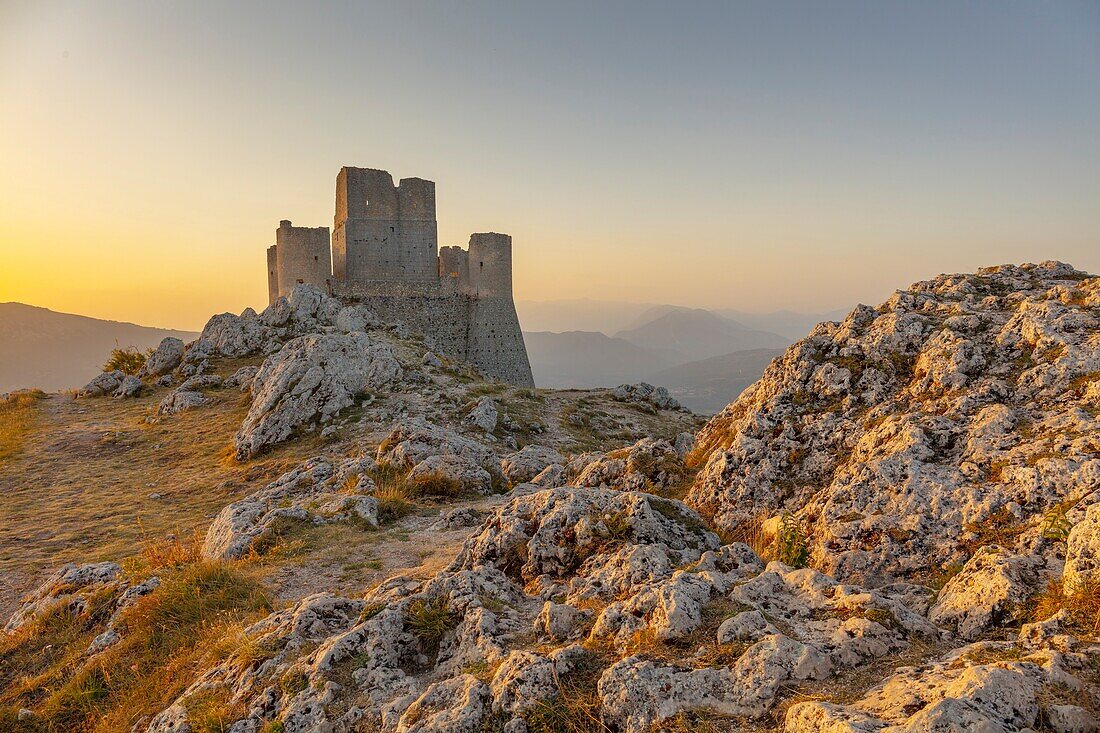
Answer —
896 528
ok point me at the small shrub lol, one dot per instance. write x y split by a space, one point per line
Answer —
1081 604
430 620
790 542
128 361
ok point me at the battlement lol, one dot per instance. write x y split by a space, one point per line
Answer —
384 252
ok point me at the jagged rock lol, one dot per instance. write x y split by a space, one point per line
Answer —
356 318
462 469
1083 552
990 590
102 384
179 400
637 693
904 432
645 393
484 415
168 356
242 378
414 439
107 639
1070 719
956 693
550 477
523 681
130 386
560 621
528 462
457 705
431 360
63 587
317 491
683 444
651 464
310 380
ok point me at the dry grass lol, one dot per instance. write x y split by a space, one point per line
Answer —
575 708
79 489
435 484
1081 604
191 621
128 361
18 416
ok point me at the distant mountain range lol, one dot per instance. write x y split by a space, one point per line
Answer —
56 351
610 317
708 385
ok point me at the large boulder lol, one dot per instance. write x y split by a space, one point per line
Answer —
168 356
309 381
992 589
528 462
103 384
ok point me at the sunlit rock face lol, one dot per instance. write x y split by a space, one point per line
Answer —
951 416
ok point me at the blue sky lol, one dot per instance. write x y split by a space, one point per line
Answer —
747 155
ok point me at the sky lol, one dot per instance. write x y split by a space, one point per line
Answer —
754 155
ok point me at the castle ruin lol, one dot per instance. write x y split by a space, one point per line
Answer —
384 253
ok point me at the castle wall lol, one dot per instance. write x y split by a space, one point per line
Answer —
272 274
482 331
302 255
382 231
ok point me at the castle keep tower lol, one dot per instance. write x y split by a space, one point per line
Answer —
381 231
385 254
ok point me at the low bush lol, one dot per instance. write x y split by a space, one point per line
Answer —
128 361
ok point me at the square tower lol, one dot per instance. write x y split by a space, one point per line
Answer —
384 232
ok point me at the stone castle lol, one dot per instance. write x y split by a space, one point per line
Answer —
384 253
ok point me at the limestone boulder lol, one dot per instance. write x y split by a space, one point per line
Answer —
484 415
167 356
64 587
528 462
460 469
644 393
651 464
130 386
308 382
414 439
103 384
180 399
316 492
1082 568
992 589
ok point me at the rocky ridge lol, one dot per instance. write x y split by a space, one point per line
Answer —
952 427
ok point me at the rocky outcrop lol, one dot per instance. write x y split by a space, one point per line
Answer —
651 464
644 393
306 310
308 381
1082 568
64 588
908 435
318 491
